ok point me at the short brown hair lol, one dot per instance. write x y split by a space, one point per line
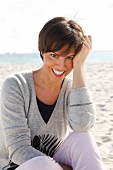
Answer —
59 32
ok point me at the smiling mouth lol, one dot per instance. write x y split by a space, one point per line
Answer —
58 73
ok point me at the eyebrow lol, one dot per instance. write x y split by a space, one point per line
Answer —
64 55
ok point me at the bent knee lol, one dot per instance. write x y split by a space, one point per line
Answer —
81 136
83 141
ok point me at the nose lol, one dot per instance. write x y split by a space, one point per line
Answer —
61 63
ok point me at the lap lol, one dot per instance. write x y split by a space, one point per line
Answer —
75 151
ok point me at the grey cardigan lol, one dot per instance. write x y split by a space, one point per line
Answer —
23 132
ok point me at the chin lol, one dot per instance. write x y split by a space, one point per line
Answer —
57 78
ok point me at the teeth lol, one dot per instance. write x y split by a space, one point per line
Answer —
58 72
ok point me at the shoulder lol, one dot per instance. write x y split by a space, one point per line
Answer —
17 80
17 77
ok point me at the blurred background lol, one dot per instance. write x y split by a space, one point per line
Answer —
21 21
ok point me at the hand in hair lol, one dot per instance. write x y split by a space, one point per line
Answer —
81 56
78 62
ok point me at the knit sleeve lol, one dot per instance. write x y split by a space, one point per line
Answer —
14 122
81 109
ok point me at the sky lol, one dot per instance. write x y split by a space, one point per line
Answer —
21 21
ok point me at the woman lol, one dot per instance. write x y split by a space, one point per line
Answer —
38 107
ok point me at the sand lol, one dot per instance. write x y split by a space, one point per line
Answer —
100 81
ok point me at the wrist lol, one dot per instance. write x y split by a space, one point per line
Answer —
79 77
78 68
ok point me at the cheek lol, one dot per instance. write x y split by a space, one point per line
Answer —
47 62
69 65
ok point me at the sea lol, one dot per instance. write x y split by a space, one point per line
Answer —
34 58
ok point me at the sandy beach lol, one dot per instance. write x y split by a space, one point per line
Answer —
100 81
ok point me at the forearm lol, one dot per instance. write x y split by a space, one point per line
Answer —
79 80
81 109
17 134
24 154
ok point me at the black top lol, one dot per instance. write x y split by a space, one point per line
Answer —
45 110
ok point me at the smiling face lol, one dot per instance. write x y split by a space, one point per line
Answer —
59 40
57 66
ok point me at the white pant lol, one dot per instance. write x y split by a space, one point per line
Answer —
79 151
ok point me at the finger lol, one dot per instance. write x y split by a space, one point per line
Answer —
90 40
87 41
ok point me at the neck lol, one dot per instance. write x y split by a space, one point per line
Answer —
44 81
46 91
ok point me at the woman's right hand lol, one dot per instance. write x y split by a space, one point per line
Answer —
65 167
